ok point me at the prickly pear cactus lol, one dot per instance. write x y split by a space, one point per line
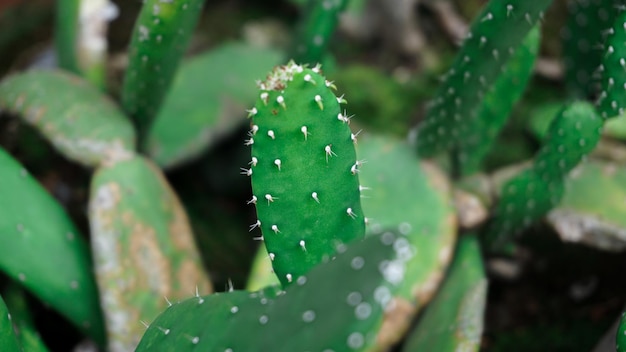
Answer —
529 196
80 122
197 112
592 209
22 319
8 340
620 337
361 283
415 198
613 69
317 30
453 321
304 170
497 105
586 30
491 42
159 40
144 250
58 270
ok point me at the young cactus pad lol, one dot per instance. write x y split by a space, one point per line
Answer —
143 248
159 40
58 268
304 170
612 100
79 121
342 305
492 40
8 340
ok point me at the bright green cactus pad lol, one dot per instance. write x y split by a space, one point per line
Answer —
592 209
81 123
304 171
613 70
160 37
498 104
493 38
415 198
585 31
453 321
198 111
343 305
59 271
8 340
144 250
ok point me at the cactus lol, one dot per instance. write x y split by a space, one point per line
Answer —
35 226
454 320
620 336
317 30
362 280
498 103
75 117
143 247
304 170
583 35
22 319
8 340
592 209
530 195
210 108
612 99
159 40
80 37
492 40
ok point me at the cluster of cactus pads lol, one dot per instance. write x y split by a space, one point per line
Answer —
360 237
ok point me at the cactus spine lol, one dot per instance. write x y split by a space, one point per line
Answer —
304 170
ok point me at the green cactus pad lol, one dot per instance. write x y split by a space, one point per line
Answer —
81 123
572 135
415 198
317 30
67 12
620 336
592 209
525 199
261 273
360 283
304 171
8 340
197 112
583 36
612 99
498 104
493 38
144 250
22 319
41 249
453 321
160 37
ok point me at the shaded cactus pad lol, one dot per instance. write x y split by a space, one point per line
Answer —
343 305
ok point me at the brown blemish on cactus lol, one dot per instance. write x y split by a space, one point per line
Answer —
153 264
397 319
426 291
